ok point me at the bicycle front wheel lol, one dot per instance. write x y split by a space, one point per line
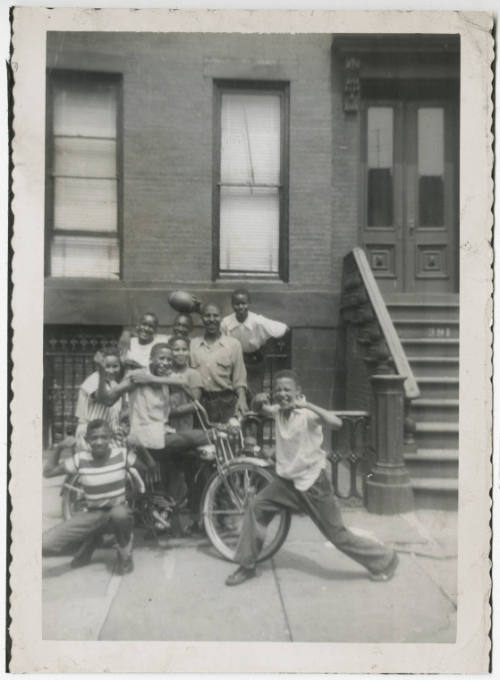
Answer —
223 508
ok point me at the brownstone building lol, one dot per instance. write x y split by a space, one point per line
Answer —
206 161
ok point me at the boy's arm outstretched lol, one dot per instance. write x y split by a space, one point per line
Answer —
109 394
328 418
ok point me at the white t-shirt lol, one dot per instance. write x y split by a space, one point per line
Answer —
141 353
254 331
299 455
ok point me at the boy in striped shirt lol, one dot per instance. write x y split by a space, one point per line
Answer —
102 473
89 406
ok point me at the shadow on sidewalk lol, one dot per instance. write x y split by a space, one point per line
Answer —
290 560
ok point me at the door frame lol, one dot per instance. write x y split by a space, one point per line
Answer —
404 95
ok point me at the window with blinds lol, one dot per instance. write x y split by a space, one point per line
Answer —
250 187
83 175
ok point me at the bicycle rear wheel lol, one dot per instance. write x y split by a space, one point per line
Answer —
73 498
223 508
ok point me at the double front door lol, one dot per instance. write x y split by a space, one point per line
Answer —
409 201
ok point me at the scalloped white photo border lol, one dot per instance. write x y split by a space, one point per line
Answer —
470 653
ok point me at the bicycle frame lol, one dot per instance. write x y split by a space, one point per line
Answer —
224 454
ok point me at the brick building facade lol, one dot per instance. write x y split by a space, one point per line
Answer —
166 139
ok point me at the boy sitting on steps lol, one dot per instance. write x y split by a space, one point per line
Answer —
302 484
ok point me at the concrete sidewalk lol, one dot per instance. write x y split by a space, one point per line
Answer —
308 592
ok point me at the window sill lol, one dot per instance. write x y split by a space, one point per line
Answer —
80 282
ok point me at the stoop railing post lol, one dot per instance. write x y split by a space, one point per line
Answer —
387 488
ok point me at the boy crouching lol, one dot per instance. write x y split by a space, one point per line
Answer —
301 484
102 473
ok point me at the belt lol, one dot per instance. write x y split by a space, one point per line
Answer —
210 396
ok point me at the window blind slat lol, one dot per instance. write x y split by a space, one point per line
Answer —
85 204
84 157
249 229
86 257
85 108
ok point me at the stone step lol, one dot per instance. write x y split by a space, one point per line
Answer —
435 493
445 367
431 347
424 310
438 387
426 328
436 435
426 410
433 463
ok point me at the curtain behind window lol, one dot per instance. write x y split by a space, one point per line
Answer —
250 182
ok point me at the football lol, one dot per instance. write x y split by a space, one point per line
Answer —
182 301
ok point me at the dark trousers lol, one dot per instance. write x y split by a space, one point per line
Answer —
255 375
87 526
320 504
171 459
220 406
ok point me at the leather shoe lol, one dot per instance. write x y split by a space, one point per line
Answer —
387 573
241 575
125 566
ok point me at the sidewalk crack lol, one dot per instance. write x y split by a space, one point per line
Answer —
282 601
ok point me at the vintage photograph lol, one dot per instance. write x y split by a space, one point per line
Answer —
251 318
253 256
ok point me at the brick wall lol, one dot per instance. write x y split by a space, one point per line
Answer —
167 180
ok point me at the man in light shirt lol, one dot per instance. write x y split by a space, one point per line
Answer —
219 360
252 331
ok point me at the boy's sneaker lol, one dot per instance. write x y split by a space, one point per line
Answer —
84 554
125 565
241 575
387 573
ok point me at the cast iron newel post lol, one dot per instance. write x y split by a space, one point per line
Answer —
388 488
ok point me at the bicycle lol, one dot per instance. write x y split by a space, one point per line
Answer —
238 474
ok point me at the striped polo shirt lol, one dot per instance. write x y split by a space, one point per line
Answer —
103 482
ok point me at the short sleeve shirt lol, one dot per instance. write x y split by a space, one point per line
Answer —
141 353
254 332
220 364
299 453
149 407
103 482
88 408
178 397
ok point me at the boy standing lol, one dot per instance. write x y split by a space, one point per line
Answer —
136 350
102 472
302 484
88 405
252 331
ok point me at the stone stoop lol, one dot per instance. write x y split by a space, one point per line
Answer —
428 327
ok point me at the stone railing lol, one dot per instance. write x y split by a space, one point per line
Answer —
350 455
375 376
